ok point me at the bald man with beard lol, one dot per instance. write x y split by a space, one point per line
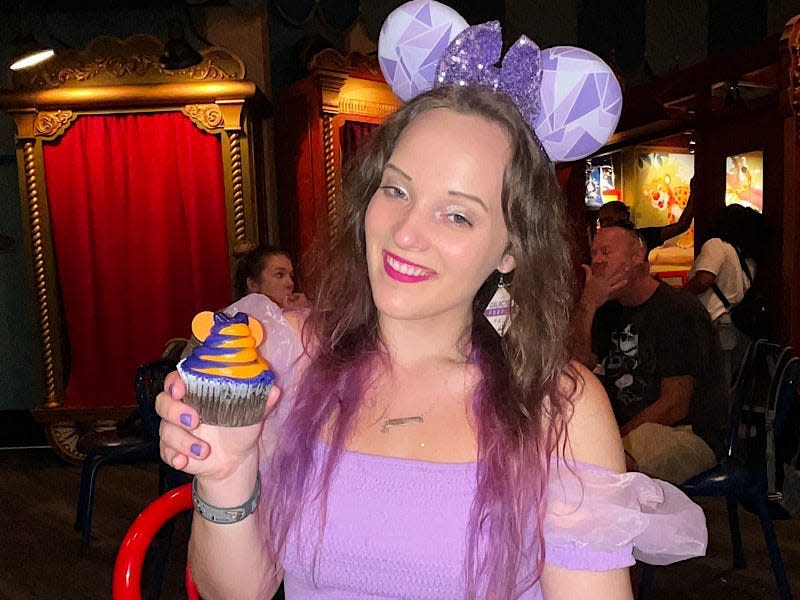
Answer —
654 349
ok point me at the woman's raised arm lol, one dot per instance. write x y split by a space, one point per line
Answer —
228 561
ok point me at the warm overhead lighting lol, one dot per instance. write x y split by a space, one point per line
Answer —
29 53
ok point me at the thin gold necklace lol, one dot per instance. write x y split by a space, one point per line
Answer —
389 423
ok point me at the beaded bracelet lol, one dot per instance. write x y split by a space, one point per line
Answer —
226 516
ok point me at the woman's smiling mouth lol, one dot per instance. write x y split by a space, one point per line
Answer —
404 271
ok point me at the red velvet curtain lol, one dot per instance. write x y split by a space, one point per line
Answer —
352 136
137 211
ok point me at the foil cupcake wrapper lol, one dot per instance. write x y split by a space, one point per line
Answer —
225 403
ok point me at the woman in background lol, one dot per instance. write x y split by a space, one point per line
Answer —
269 271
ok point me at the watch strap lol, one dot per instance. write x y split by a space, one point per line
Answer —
226 516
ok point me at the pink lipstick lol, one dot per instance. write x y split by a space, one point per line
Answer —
404 271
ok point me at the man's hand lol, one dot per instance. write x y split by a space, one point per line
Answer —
598 289
601 285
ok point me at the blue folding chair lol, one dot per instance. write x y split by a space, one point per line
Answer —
784 448
741 477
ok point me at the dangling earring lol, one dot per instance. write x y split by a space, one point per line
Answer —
500 308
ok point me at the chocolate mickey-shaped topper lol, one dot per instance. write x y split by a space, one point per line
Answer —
569 97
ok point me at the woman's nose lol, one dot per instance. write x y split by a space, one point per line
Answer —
411 229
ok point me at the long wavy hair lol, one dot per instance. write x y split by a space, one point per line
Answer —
742 227
521 403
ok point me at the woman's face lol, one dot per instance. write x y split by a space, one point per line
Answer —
434 228
276 279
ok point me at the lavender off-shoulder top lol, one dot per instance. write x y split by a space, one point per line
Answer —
396 528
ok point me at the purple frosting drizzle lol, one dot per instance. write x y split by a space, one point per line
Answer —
213 345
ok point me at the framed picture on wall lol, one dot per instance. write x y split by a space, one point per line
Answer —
744 179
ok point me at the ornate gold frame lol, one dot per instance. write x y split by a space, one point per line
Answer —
352 88
124 76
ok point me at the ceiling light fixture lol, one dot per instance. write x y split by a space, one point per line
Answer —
29 53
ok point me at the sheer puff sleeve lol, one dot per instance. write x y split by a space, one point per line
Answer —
598 520
283 348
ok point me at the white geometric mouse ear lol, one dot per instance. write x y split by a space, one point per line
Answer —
581 103
412 39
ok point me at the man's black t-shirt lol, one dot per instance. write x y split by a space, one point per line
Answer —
669 335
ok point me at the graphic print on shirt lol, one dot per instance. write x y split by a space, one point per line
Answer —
620 366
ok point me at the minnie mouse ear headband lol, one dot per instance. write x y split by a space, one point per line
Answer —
569 97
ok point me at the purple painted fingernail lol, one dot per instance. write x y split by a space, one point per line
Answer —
170 388
186 419
196 449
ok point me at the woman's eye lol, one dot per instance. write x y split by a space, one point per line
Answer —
459 220
394 191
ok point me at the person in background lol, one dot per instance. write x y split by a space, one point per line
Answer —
617 211
655 352
269 271
738 230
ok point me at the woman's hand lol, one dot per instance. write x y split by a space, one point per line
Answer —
225 462
296 301
210 451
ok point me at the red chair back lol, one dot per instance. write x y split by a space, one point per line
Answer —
127 580
676 279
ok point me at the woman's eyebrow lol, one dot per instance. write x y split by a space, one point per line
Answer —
469 197
405 175
398 170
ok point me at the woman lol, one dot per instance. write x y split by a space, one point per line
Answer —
269 271
416 456
738 230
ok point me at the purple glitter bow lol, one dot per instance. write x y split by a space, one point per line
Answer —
470 58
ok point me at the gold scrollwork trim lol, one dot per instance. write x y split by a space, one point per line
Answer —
353 62
110 61
206 116
329 160
362 107
39 273
53 123
237 188
330 84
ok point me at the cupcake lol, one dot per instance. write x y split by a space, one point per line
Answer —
227 380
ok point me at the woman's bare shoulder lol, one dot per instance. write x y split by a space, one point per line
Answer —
592 431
